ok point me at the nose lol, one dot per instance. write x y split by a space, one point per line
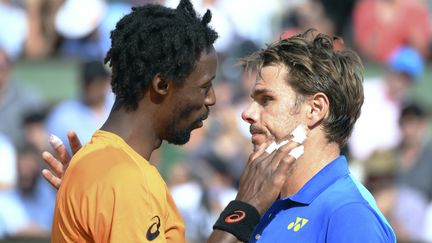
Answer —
250 115
210 99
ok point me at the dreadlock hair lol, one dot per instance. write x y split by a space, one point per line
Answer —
151 40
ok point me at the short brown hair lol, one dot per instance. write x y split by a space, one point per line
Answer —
314 65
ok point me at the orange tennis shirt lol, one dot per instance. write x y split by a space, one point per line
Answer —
110 193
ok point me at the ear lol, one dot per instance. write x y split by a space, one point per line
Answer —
317 109
160 85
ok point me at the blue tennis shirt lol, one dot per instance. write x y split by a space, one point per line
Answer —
331 207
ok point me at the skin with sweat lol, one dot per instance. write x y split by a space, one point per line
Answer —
273 115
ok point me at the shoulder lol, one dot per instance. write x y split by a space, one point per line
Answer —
352 214
105 164
105 175
343 191
355 211
358 222
101 161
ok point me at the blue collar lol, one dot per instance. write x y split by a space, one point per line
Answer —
319 182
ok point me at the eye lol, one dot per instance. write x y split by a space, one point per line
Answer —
265 100
207 88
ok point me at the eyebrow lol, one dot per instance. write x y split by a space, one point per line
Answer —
260 91
210 80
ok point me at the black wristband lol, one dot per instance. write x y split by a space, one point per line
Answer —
238 218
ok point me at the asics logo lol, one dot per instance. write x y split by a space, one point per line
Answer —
153 231
237 216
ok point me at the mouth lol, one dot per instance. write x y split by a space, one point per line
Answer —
258 136
200 122
205 115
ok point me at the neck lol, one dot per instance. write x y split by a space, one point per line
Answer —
318 153
135 128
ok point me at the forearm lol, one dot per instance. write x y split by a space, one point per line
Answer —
219 236
236 223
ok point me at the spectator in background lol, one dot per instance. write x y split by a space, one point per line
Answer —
380 27
26 211
13 29
35 130
378 125
403 206
15 101
415 150
400 178
428 224
340 15
85 27
14 222
77 21
188 194
7 163
222 147
27 27
220 21
220 190
304 15
415 169
35 194
254 19
86 114
42 39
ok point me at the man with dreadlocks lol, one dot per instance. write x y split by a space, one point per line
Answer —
163 63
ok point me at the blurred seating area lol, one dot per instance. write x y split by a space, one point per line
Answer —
53 79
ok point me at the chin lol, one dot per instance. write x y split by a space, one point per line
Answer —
179 138
255 148
178 142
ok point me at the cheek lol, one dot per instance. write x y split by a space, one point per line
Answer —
188 109
195 106
194 100
275 126
273 122
280 125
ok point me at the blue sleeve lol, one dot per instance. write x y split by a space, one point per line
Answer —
357 222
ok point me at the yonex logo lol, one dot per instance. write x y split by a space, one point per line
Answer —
299 223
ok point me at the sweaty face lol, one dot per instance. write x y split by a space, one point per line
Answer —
192 100
272 115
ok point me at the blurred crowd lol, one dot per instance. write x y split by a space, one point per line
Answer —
390 149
